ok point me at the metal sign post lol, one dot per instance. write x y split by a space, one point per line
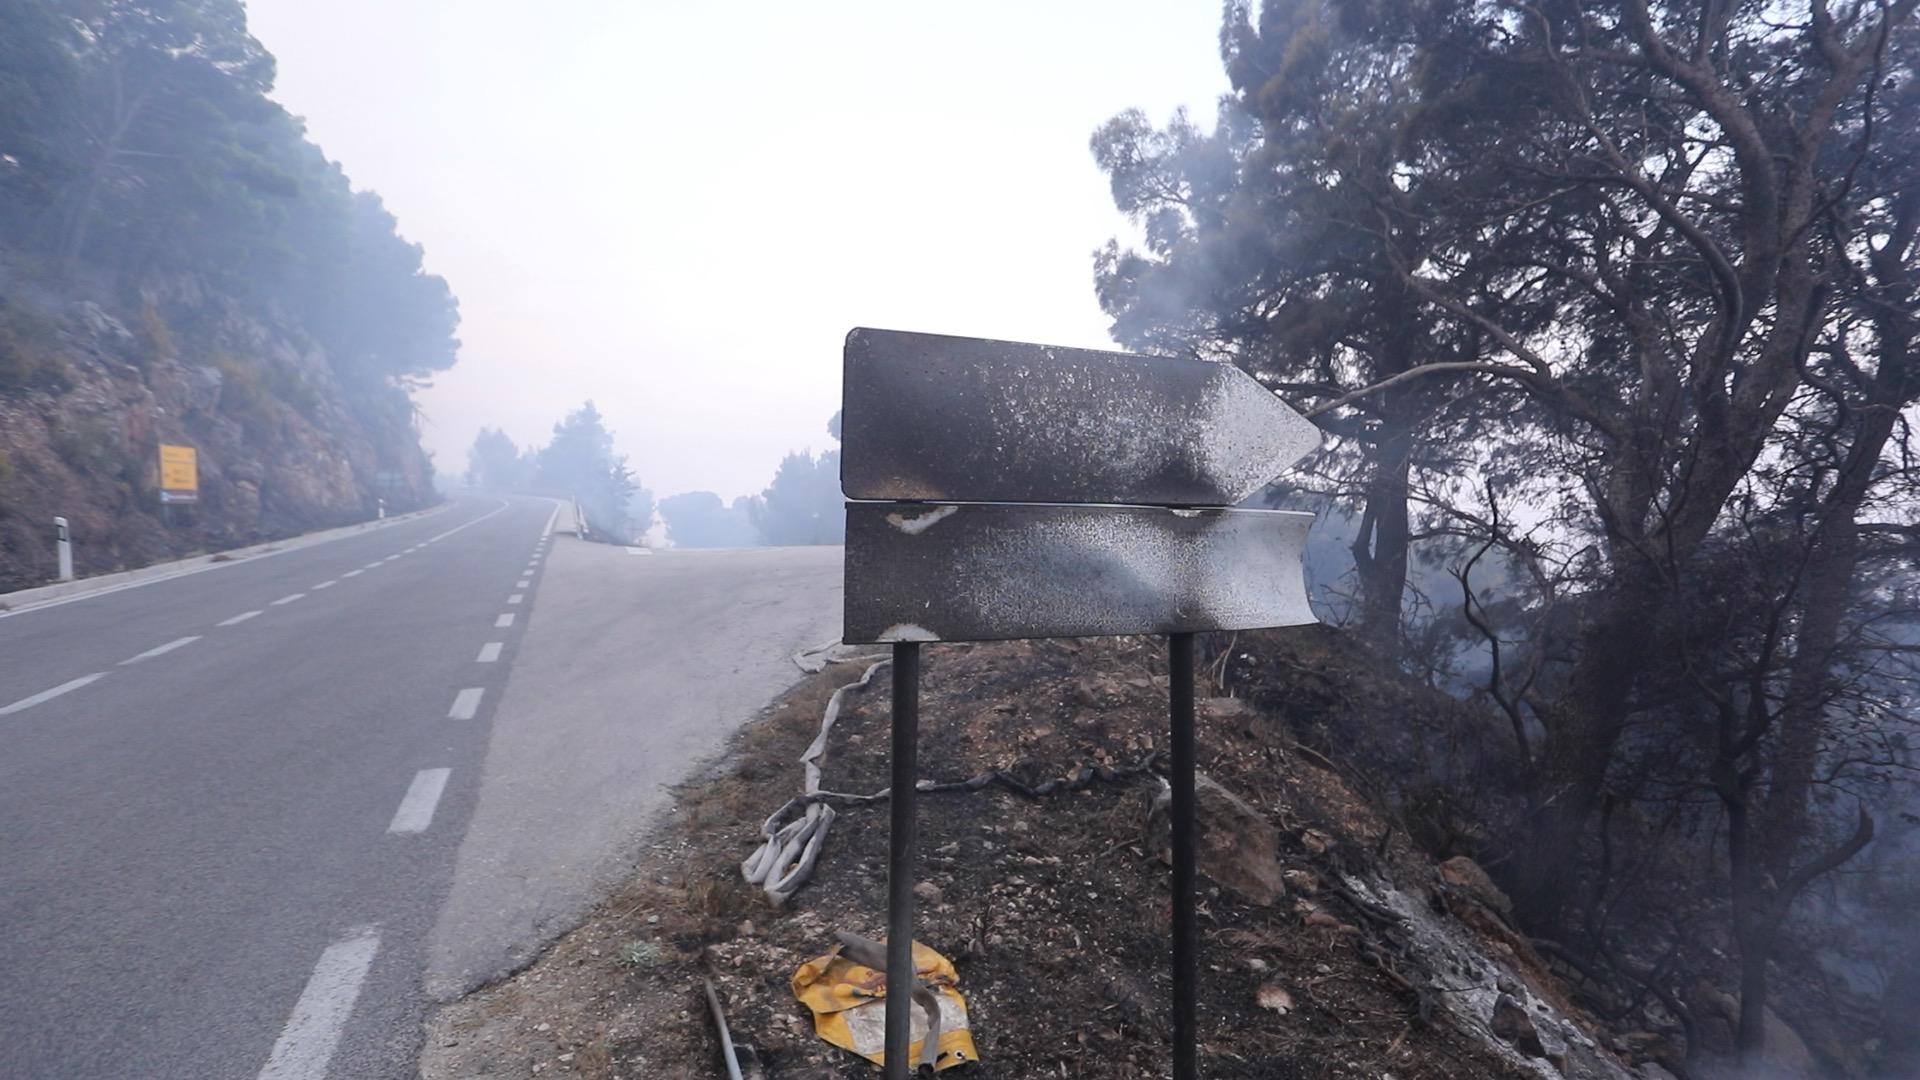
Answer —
1004 490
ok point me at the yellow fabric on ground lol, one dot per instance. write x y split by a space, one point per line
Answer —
849 1007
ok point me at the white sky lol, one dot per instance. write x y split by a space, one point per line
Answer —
678 209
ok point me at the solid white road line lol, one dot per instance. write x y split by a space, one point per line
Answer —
515 598
551 518
503 621
49 695
522 583
238 619
466 703
498 509
312 1033
423 795
287 599
353 573
160 650
324 585
489 652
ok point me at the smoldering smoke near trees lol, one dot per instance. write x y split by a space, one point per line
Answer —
1624 298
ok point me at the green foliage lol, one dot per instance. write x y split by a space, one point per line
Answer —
496 464
580 462
290 386
137 143
698 519
244 396
640 953
29 359
640 510
804 505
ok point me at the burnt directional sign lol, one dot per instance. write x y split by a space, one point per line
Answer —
998 458
929 417
983 571
1012 491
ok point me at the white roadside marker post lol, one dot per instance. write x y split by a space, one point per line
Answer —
63 544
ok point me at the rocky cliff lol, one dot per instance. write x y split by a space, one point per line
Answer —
91 385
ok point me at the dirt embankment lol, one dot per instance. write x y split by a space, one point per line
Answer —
88 391
1361 960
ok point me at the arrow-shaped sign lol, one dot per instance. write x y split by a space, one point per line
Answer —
929 417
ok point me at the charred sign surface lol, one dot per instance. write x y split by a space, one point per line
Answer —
928 417
979 572
1004 463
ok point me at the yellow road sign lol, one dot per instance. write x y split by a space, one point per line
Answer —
179 473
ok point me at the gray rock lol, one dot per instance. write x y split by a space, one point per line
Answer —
1238 847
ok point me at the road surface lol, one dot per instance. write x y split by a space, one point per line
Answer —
250 817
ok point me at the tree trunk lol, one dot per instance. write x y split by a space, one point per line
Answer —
1381 548
1756 949
1582 730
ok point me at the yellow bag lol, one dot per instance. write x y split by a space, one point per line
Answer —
849 1007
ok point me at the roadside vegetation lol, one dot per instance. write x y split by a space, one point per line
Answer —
179 263
1610 313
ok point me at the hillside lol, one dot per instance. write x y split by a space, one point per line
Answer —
180 264
1344 935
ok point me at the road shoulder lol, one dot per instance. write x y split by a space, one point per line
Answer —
20 601
632 672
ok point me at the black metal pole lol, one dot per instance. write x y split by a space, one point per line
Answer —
901 841
1186 959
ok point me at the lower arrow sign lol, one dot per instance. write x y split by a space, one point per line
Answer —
992 571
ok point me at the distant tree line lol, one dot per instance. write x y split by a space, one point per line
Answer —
801 505
1611 311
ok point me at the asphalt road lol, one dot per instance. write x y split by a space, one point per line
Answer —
238 809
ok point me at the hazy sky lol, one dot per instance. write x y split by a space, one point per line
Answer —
678 209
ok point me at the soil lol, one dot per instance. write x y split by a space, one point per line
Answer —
1055 910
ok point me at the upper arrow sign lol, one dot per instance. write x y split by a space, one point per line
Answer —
929 417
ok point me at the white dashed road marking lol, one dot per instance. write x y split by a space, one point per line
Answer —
466 703
489 652
503 621
160 650
312 1033
49 695
353 573
374 565
287 599
324 585
423 795
522 583
515 598
238 619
